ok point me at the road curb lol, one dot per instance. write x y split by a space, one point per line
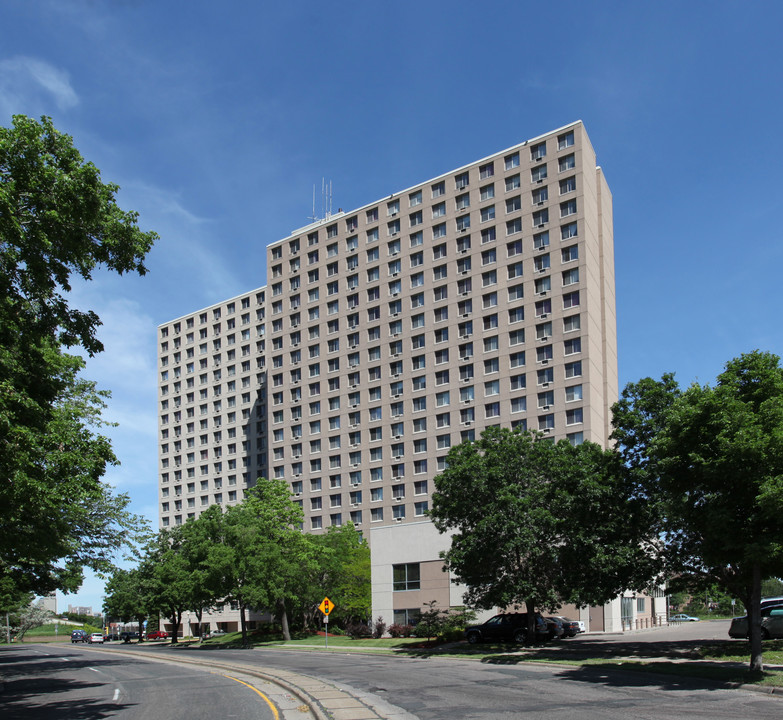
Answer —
325 700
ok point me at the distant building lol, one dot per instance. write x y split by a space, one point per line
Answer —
48 602
80 609
387 334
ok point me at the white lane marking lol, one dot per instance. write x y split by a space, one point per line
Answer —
64 659
116 694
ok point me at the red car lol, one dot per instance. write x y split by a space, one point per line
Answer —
157 635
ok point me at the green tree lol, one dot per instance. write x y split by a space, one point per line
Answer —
710 459
198 539
539 524
338 567
167 577
126 597
57 220
260 551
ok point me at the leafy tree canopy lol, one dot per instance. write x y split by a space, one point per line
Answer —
539 523
711 460
57 220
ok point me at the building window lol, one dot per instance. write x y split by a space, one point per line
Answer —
511 161
406 577
568 185
567 162
566 140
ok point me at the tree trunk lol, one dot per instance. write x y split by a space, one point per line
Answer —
199 615
281 611
530 606
243 623
754 622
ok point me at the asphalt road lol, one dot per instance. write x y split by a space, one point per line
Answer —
441 689
50 682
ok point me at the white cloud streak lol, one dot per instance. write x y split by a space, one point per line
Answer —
28 84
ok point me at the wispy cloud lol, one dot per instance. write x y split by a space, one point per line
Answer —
28 84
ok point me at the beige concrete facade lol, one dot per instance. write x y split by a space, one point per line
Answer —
483 296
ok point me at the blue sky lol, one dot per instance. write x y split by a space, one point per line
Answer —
218 119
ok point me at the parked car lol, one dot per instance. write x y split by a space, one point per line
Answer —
509 627
157 635
79 636
771 623
571 628
682 617
96 638
128 636
555 629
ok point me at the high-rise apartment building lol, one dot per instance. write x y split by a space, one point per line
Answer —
481 297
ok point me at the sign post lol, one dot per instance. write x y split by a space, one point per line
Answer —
326 607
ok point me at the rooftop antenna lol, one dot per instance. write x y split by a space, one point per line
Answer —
326 201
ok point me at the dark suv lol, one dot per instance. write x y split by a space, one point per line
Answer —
79 636
509 627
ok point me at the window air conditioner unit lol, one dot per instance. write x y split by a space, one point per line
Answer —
540 202
397 519
544 315
355 484
547 430
468 422
464 250
546 407
398 499
541 225
466 292
355 465
543 338
394 294
354 504
539 181
466 379
397 437
397 395
298 494
396 375
463 229
545 361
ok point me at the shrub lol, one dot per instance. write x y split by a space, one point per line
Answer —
379 628
358 630
396 630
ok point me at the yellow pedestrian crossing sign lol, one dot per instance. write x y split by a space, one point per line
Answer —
326 606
